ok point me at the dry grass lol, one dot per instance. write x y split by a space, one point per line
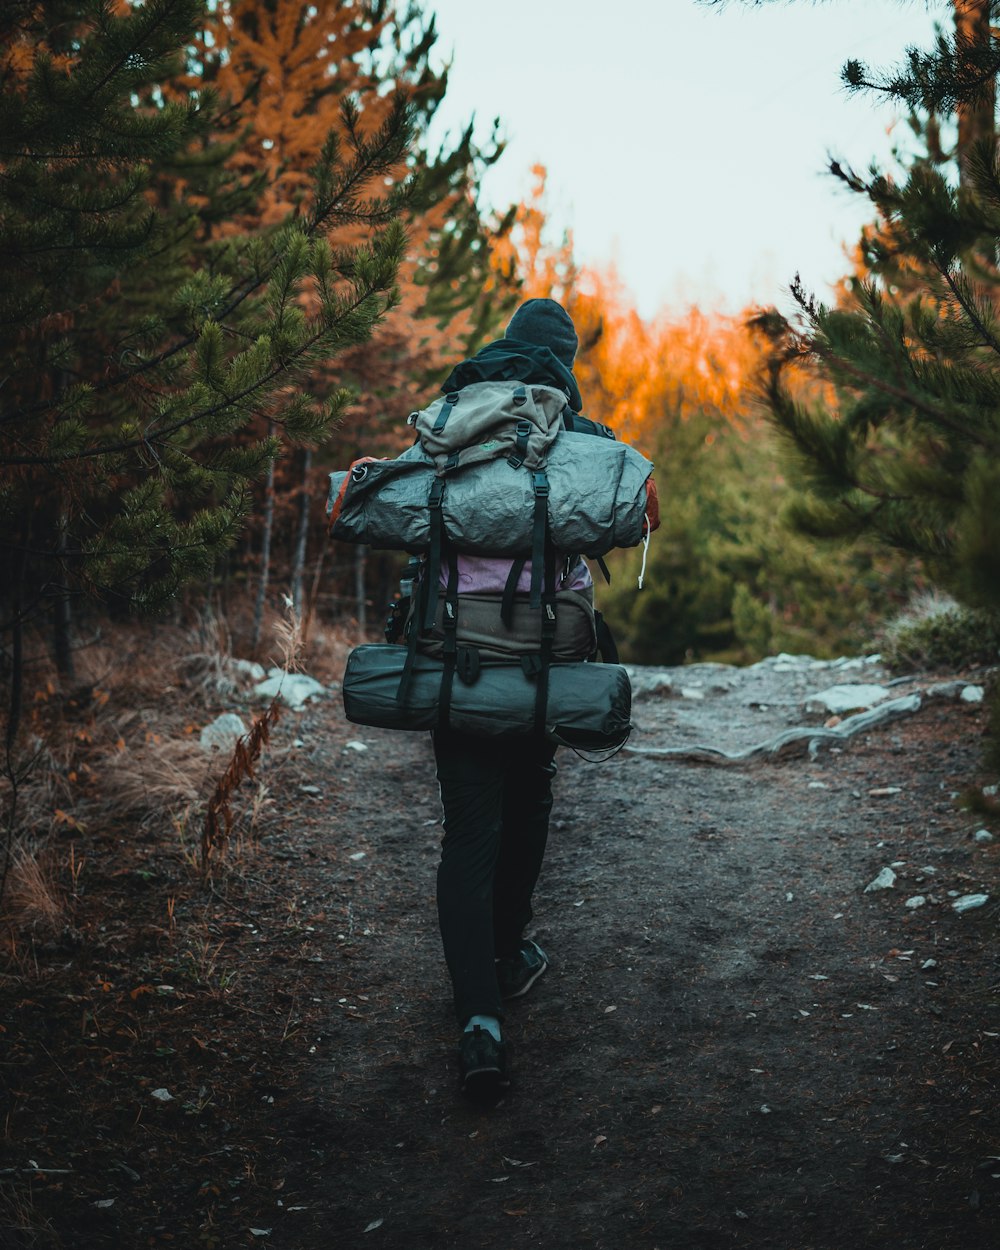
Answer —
33 898
152 779
122 744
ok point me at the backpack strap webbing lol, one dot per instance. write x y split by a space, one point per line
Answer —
444 412
607 648
414 627
449 649
510 590
548 639
539 534
605 571
433 571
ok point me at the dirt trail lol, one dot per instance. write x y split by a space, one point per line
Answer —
735 1046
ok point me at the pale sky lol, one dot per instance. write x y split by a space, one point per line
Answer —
686 144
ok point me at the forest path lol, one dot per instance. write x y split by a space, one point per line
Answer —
735 1044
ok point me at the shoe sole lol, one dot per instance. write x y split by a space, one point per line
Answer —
523 989
482 1083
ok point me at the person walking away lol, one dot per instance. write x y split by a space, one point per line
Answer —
497 792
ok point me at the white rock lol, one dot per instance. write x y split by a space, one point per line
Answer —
161 1095
945 690
355 745
838 699
692 692
292 688
885 880
968 902
917 900
928 963
982 835
249 669
222 734
972 694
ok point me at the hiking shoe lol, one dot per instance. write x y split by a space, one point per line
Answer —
516 974
482 1061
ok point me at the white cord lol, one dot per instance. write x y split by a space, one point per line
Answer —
645 550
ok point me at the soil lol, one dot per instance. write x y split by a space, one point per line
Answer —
735 1045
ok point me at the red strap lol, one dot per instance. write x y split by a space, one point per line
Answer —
652 507
338 503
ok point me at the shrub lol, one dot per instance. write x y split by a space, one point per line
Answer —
937 633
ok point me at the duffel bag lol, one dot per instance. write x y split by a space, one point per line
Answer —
480 625
600 495
588 705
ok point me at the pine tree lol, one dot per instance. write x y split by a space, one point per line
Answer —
910 453
296 62
139 337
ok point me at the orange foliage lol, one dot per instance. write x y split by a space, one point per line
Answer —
294 62
543 270
635 375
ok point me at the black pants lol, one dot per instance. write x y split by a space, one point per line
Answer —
497 796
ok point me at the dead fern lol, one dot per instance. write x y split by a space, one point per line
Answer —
246 753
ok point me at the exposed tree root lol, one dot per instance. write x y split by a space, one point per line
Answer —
811 735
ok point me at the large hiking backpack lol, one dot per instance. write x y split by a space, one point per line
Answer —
504 469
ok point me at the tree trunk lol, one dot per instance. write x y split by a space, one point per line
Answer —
360 561
976 119
62 610
310 611
265 551
302 538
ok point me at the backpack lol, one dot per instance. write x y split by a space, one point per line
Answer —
504 469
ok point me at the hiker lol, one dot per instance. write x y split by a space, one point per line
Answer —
490 642
497 793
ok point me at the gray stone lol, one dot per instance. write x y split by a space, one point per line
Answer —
249 669
972 694
847 698
968 902
885 880
945 690
982 835
292 688
222 734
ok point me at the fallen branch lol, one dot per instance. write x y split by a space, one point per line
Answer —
812 735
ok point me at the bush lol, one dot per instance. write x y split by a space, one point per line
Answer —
937 633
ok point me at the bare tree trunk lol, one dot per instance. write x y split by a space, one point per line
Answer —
265 551
976 119
302 538
310 611
62 611
360 562
16 695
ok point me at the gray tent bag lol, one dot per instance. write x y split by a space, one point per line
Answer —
588 706
594 490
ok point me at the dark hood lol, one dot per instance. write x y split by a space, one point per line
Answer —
514 360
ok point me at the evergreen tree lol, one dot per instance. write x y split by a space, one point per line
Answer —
295 62
910 452
140 338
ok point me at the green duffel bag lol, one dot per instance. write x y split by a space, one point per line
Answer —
480 626
588 705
